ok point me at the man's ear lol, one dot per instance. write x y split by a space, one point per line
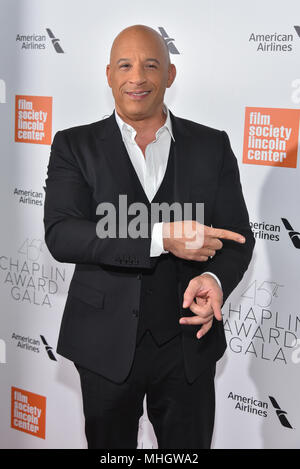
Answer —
171 75
108 75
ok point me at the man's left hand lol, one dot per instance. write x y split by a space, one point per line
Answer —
204 297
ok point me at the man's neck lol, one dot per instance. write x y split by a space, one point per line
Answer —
145 128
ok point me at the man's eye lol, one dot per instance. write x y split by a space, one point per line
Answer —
124 66
152 66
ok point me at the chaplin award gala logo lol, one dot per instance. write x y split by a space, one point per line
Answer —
33 119
255 327
271 137
30 280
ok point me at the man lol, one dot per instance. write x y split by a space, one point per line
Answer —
143 314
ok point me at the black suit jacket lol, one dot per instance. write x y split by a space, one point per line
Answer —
88 165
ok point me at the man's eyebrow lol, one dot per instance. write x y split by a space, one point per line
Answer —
150 59
120 60
153 60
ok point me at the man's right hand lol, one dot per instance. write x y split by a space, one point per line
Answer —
193 241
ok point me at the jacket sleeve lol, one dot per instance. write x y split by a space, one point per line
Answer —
70 225
230 212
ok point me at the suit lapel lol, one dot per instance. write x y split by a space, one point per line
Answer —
118 161
183 166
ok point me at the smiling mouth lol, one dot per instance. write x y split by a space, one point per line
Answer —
138 94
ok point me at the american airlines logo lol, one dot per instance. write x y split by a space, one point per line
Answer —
169 41
281 414
39 41
48 349
30 344
297 29
294 235
55 42
2 92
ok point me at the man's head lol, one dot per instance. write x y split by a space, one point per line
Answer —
139 72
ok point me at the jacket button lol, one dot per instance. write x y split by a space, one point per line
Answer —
139 277
135 313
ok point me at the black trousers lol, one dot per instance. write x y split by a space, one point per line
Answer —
182 414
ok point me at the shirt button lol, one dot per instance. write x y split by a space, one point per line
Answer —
139 277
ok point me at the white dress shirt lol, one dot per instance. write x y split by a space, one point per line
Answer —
151 169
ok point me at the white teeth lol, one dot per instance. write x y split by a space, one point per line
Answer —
140 94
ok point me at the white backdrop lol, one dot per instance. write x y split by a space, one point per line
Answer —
231 56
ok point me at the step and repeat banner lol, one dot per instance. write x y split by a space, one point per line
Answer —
238 71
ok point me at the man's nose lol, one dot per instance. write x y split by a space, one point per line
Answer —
137 75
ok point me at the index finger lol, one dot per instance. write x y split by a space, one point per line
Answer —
216 306
226 234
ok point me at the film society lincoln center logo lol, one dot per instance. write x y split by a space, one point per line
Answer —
28 412
33 119
271 137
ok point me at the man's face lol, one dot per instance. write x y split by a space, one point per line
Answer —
139 74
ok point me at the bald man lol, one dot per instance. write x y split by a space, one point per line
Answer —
143 313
